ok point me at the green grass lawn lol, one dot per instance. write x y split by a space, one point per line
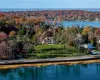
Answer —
49 47
54 50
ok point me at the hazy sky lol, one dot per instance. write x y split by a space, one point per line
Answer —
49 3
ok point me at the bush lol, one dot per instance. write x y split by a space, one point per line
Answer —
21 32
70 43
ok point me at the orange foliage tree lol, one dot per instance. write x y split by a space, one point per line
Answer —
86 30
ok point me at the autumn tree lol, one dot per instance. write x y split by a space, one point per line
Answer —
86 30
30 21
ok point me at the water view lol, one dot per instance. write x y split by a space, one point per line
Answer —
42 9
53 72
80 23
50 32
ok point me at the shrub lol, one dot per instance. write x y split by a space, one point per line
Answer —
70 43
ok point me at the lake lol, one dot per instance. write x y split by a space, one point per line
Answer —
53 72
76 23
80 23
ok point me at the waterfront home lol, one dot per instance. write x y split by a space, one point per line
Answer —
48 40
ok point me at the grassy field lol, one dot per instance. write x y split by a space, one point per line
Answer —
54 50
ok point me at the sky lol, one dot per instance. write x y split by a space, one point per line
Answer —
50 4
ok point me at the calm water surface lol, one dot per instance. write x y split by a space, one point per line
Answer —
80 23
53 72
40 9
77 23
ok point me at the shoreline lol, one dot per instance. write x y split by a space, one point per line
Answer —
62 59
11 64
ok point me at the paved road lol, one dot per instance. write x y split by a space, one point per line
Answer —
65 59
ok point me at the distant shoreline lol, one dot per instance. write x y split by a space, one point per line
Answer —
43 9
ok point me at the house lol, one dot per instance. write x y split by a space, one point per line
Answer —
46 37
48 40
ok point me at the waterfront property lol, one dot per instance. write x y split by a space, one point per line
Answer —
49 44
28 34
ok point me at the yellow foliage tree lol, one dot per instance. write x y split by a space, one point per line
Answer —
12 33
86 30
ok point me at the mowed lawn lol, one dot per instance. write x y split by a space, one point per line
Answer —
54 50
